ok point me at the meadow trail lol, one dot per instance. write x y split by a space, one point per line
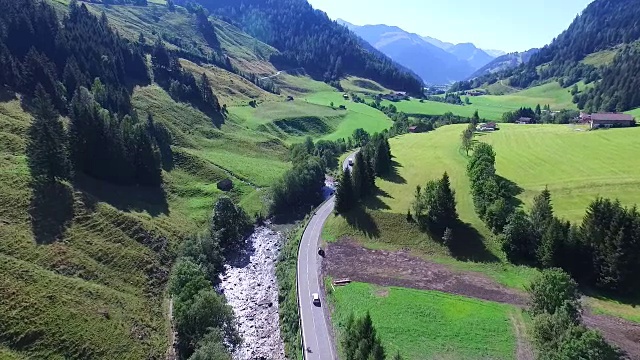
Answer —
524 349
348 259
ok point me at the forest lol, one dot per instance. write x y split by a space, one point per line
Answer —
78 67
308 38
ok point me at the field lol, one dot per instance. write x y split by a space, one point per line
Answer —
532 157
358 115
430 324
491 107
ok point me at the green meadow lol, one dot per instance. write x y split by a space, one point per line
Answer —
430 324
491 107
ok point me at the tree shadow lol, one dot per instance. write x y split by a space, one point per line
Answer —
152 200
468 245
511 190
7 95
362 221
394 175
51 211
374 202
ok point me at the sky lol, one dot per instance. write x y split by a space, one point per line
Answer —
508 25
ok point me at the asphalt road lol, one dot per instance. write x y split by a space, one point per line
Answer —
316 329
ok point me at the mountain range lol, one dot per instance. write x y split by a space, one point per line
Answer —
435 61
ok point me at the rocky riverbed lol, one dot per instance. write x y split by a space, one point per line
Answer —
250 286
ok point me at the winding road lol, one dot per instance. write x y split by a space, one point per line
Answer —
316 327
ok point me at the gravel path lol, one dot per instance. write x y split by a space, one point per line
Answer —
250 286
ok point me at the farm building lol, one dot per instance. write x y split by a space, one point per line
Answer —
490 126
413 129
525 120
609 120
396 96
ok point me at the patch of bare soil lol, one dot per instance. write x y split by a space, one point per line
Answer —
625 334
348 259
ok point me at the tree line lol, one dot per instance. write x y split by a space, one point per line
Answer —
603 251
491 195
309 39
358 182
558 331
204 322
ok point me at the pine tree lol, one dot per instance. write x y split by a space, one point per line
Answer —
47 153
538 111
517 241
359 177
446 202
344 193
475 119
541 212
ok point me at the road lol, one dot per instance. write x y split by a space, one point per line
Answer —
316 329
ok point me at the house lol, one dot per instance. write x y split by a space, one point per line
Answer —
396 96
609 120
345 96
490 126
524 121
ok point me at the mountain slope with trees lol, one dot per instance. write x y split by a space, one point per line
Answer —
603 25
308 38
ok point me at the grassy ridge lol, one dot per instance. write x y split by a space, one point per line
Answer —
430 324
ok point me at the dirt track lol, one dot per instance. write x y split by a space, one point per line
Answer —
347 259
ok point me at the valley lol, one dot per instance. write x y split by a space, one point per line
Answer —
201 142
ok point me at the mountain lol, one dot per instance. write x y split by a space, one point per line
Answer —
433 64
468 52
604 25
504 62
307 38
495 53
441 44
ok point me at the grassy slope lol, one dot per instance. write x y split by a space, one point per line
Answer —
430 324
358 115
492 107
576 166
80 278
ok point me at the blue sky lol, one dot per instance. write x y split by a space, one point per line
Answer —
508 25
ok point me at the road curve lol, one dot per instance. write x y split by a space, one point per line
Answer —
316 329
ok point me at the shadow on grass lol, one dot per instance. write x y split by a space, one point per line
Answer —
511 190
393 175
374 202
362 221
51 210
126 198
468 245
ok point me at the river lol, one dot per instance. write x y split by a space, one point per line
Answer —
249 283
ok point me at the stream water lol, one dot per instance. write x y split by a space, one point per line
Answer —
250 286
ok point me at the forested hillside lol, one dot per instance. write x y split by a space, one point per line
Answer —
603 25
308 38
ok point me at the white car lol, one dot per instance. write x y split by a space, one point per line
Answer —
350 162
316 299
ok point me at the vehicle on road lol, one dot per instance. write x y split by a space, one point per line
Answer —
350 161
316 299
321 252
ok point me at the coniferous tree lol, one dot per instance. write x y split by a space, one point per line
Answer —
517 242
47 153
475 119
447 202
541 212
359 177
344 193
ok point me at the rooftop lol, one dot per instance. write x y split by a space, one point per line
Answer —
611 117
